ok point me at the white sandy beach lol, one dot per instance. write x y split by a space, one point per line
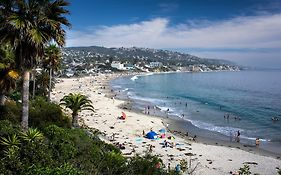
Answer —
211 159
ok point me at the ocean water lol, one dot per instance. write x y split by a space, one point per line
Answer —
249 98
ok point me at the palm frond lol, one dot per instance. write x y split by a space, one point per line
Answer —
10 141
32 135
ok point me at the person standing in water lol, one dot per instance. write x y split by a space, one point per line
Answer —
238 136
257 142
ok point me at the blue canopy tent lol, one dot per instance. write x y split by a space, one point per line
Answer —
162 130
151 135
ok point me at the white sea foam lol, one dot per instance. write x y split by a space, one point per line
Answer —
124 90
145 99
162 108
211 127
134 78
227 131
117 87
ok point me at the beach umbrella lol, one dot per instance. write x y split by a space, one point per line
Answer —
123 115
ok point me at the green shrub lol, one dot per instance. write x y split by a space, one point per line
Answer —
61 143
8 128
113 163
11 111
245 170
145 165
15 95
43 113
65 169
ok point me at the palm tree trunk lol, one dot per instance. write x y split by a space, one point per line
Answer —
25 100
50 85
75 120
2 99
34 83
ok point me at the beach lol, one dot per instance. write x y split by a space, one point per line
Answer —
128 134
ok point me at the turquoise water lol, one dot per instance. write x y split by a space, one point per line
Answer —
203 99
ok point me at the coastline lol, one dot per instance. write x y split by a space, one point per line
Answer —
213 158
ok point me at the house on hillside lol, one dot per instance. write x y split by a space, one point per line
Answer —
155 64
129 66
118 65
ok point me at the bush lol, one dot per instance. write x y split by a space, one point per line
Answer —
65 169
62 144
15 95
113 163
43 113
8 128
145 165
245 170
11 111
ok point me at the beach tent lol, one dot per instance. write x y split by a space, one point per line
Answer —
123 116
162 130
151 135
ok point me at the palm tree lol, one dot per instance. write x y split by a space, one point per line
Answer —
7 82
29 25
51 62
8 75
43 80
77 103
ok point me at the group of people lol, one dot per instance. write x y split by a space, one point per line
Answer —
227 116
257 142
147 109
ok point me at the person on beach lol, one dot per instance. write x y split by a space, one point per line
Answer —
113 99
238 136
178 168
257 142
113 136
169 167
194 137
150 148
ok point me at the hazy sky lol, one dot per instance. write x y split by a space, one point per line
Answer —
247 32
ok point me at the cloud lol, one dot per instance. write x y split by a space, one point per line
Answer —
241 32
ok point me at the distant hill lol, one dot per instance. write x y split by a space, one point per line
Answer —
134 54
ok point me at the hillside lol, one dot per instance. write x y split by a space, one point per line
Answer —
95 57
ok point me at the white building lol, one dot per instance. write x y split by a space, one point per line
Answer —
117 65
155 64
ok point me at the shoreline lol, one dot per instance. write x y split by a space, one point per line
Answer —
137 122
267 148
177 126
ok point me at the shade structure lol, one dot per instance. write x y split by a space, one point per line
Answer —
151 135
162 130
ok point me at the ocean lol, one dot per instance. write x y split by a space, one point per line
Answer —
213 104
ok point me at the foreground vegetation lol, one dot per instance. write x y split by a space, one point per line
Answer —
56 148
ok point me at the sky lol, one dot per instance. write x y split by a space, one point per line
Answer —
247 32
